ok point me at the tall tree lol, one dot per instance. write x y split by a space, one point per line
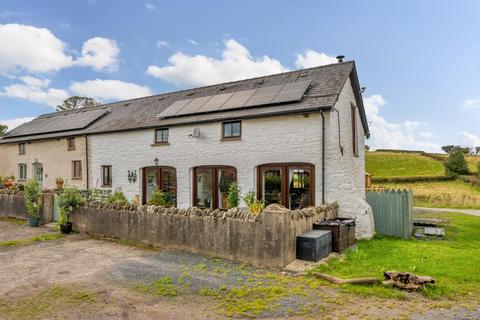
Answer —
448 148
3 129
477 150
76 102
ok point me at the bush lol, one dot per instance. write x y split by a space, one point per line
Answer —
32 194
233 196
117 198
456 163
254 205
69 200
161 198
478 168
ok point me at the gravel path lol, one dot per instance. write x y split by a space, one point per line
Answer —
17 230
445 210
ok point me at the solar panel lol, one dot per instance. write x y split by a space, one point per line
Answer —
288 92
57 122
238 99
263 96
174 108
194 105
293 91
215 102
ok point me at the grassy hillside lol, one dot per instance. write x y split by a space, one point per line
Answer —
472 163
396 164
442 194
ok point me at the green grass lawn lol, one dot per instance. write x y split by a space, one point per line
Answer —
396 164
453 262
442 194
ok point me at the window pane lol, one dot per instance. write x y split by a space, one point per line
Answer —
272 186
225 177
151 182
236 129
169 184
299 188
165 135
204 180
227 130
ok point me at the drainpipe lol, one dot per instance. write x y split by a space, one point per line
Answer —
86 161
323 157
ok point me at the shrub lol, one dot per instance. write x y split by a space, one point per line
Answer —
254 205
69 200
478 168
456 163
161 198
32 194
233 196
117 198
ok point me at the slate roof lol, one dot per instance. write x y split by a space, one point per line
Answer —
326 85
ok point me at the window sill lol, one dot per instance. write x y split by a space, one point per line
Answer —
231 138
158 144
109 187
77 178
71 149
22 180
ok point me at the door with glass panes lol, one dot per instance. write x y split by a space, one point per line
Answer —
160 178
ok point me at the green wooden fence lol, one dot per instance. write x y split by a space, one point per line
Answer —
392 211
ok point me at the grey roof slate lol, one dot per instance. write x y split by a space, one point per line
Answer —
326 84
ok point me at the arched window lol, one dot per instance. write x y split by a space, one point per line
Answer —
210 186
160 177
289 184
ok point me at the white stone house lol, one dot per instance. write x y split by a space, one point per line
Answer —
295 138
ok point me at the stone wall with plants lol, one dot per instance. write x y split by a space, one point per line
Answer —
12 205
265 239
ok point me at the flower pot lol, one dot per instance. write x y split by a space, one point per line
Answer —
59 185
34 221
7 183
66 228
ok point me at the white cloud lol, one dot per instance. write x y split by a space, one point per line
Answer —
99 53
29 48
35 90
108 90
236 63
13 123
471 104
150 6
410 135
161 43
467 139
37 50
312 58
195 43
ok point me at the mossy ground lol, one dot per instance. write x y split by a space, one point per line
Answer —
31 240
45 303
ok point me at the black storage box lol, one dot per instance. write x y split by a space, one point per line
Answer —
343 232
314 245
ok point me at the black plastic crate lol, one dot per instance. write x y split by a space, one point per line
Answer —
314 245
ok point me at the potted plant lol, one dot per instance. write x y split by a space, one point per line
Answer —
69 200
8 181
32 194
59 181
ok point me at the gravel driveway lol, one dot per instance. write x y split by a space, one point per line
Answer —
78 277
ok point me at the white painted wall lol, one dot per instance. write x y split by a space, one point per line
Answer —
293 138
345 174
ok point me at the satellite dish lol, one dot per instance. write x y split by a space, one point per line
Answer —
195 133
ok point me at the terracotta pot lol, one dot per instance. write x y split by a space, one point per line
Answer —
7 183
59 185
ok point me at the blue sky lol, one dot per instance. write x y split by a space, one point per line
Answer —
418 59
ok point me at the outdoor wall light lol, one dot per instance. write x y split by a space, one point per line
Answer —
132 176
156 161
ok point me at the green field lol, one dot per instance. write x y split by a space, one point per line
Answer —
396 164
453 262
442 194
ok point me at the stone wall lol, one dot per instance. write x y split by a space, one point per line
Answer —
12 205
268 239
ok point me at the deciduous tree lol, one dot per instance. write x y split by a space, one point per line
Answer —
76 102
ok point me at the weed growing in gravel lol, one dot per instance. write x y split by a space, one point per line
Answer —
13 220
31 240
